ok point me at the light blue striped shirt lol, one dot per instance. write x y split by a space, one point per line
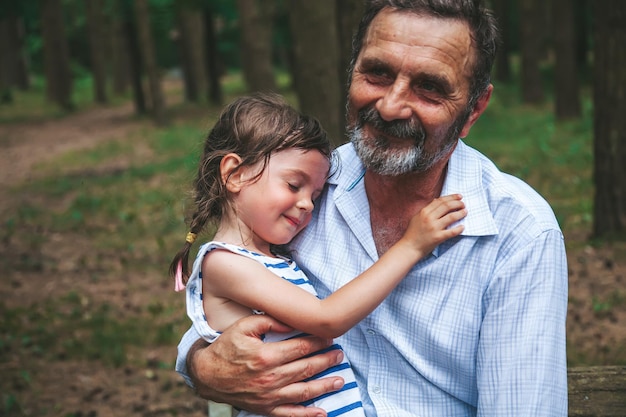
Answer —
478 328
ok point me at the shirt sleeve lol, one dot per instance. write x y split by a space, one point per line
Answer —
188 339
521 359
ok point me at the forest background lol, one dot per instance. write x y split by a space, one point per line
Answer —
103 108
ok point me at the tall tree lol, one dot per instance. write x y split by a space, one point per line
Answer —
191 49
582 29
120 63
532 44
255 24
566 85
502 9
146 46
316 54
349 14
131 42
13 68
609 215
8 51
56 54
97 47
212 58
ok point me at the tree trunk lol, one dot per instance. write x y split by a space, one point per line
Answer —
316 52
501 9
146 46
191 48
13 71
8 52
581 17
566 86
349 14
56 55
609 122
120 65
135 66
97 47
213 66
22 81
256 23
531 40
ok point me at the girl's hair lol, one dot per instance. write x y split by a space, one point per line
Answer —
253 127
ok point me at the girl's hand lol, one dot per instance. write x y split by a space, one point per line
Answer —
429 227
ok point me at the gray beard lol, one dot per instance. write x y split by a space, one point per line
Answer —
379 156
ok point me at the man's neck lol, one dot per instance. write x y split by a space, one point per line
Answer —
393 200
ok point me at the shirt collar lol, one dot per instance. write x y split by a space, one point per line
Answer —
464 176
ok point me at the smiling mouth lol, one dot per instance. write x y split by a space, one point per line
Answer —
294 221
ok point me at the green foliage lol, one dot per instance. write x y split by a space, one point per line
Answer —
555 158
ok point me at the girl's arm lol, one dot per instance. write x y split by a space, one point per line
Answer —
247 282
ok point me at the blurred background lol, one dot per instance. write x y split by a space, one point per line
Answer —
104 105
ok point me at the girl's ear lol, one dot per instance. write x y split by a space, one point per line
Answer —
230 175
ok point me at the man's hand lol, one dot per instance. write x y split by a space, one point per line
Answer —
265 378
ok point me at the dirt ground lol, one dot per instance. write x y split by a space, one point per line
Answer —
596 324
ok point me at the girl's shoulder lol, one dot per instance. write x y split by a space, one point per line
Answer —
238 250
278 264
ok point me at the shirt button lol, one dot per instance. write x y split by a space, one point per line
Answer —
371 332
376 389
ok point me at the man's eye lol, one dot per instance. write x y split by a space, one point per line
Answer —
379 74
428 86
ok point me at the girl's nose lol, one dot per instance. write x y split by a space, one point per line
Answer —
305 203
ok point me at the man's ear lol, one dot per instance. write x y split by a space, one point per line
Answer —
478 109
230 175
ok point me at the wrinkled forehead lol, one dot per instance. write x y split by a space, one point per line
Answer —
395 32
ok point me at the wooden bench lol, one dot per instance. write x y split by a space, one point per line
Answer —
597 391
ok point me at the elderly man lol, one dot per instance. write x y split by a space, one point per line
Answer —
478 327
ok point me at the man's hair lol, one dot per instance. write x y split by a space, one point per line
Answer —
481 22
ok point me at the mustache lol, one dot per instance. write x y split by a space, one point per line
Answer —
406 129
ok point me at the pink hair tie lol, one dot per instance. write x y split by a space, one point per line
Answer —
178 278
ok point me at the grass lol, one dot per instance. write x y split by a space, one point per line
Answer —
32 104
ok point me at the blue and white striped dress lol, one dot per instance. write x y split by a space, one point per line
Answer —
344 403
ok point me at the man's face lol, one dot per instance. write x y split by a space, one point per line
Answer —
408 99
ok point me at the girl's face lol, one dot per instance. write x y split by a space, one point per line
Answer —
273 209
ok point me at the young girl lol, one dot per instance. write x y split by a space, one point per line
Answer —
263 166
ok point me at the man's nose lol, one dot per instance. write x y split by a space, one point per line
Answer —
395 103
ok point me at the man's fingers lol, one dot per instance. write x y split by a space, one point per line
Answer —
300 368
279 353
288 351
291 410
304 391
